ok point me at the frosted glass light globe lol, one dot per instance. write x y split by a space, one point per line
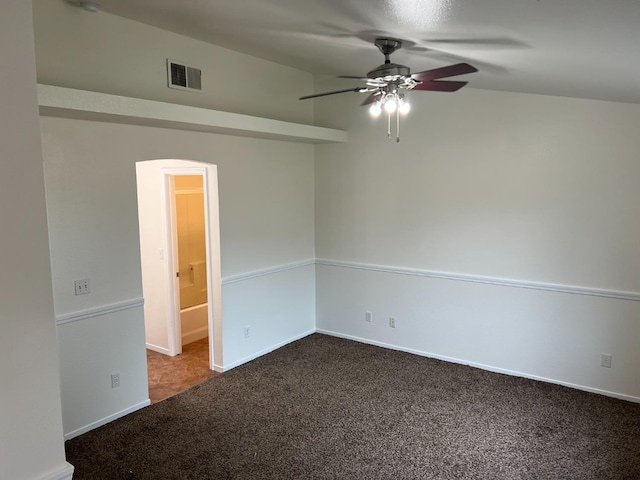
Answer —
375 109
390 105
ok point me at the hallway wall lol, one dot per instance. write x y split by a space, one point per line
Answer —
266 200
266 225
31 443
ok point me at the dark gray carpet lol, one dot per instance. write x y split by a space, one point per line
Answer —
324 407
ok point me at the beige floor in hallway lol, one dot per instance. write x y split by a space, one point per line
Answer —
169 376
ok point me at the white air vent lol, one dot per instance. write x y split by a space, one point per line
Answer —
183 77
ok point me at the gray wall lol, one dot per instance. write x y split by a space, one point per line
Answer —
501 231
31 443
265 194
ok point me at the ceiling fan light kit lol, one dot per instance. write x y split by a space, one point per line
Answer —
387 81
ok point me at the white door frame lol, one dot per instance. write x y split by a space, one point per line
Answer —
174 327
171 260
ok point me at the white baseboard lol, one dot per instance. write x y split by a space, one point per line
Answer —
489 368
218 368
66 473
105 420
155 348
228 367
195 335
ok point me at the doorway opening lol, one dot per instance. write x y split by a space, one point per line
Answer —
180 258
169 376
189 234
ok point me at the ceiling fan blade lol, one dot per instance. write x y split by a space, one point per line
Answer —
448 56
370 99
359 89
440 86
364 79
496 41
442 72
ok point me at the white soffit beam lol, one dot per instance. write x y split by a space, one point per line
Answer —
85 105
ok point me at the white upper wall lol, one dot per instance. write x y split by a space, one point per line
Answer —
110 54
31 444
496 187
266 202
498 184
265 192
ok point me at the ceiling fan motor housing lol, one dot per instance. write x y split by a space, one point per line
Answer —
389 70
387 45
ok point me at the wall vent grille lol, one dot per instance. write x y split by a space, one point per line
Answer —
183 77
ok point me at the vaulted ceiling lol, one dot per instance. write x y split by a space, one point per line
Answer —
574 48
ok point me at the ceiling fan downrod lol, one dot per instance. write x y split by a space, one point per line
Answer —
387 46
388 69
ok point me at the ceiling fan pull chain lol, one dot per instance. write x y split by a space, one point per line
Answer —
388 124
397 125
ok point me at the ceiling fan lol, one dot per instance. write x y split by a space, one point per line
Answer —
387 82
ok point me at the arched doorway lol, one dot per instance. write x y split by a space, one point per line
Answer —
158 251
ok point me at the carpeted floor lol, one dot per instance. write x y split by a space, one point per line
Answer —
327 408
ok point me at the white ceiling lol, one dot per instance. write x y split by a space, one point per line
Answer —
575 48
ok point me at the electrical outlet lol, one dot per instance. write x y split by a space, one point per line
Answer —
368 317
605 360
82 286
115 380
247 332
392 322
